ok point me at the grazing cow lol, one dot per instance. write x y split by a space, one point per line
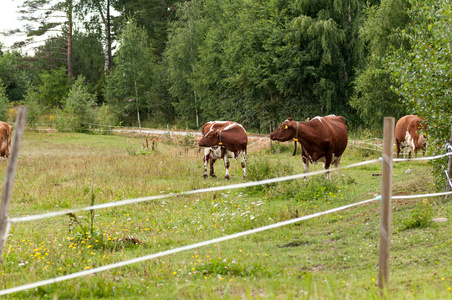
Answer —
323 139
409 133
223 139
5 139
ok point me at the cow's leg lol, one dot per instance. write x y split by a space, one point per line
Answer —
226 165
305 166
337 164
327 165
398 148
212 172
206 160
243 164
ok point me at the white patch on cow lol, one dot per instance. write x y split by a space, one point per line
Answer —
334 160
230 126
318 118
215 152
409 141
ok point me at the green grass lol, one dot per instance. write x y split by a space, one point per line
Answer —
331 257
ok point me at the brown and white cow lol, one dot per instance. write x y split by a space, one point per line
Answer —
409 133
223 139
5 139
323 139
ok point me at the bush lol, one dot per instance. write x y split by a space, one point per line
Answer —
261 169
421 216
33 109
79 107
4 103
54 87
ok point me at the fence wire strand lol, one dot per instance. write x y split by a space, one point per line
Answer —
172 195
203 243
177 250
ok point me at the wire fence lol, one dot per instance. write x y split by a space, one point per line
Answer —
203 243
29 218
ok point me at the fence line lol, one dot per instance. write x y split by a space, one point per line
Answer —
205 190
423 158
201 244
179 249
204 243
172 195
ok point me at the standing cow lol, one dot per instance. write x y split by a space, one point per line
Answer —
5 139
409 133
323 139
223 139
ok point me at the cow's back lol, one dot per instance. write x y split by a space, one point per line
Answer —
409 123
217 125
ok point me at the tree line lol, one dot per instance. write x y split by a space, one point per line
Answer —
135 62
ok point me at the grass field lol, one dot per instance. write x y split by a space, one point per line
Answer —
330 257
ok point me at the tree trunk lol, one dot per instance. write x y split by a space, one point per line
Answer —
69 42
138 109
107 24
108 59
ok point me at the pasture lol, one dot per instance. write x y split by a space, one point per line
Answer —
331 257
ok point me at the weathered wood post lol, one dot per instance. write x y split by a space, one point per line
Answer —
386 194
9 178
449 165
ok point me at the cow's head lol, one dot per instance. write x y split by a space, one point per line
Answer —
284 132
209 139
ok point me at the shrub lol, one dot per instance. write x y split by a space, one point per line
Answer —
79 107
54 87
4 103
260 168
33 109
106 117
421 216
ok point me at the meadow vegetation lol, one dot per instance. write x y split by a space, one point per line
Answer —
330 257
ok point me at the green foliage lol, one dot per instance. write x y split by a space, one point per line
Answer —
14 79
260 168
277 148
423 72
129 87
421 216
4 103
382 29
88 61
231 267
79 107
264 61
318 188
33 108
54 88
105 117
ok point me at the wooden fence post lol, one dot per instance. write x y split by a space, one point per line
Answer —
9 177
386 194
449 165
